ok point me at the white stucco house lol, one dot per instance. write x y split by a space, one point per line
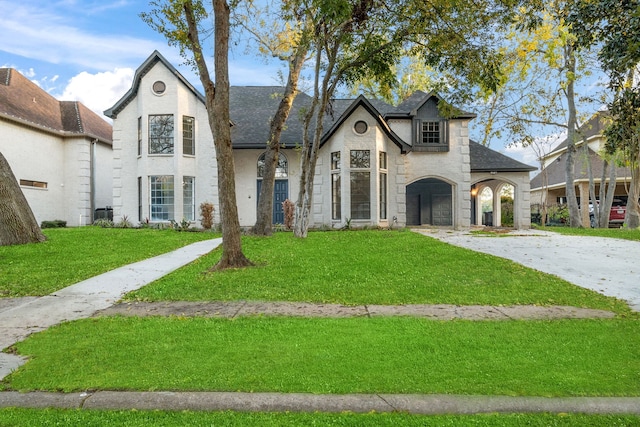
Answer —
379 165
59 151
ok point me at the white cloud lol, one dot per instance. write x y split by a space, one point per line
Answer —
540 147
99 91
46 35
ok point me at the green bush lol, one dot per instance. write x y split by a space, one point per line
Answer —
56 223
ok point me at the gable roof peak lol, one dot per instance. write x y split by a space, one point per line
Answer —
153 59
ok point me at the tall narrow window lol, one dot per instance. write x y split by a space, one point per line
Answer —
383 185
140 198
139 136
188 198
360 184
161 134
336 194
188 140
162 195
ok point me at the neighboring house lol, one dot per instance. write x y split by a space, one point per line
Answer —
378 165
59 151
549 186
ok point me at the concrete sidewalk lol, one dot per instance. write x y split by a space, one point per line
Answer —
21 317
306 402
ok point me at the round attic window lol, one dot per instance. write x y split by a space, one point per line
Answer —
360 127
159 87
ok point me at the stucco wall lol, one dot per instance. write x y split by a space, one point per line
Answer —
37 156
128 166
452 167
344 140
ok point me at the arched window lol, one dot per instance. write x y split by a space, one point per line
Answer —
282 170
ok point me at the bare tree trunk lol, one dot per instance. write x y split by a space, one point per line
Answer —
17 223
572 201
633 209
217 102
265 203
607 191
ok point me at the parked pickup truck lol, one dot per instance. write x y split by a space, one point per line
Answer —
616 216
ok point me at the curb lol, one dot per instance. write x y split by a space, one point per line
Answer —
304 402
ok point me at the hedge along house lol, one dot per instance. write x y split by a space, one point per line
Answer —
378 165
59 151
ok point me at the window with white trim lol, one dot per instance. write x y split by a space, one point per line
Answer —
189 198
161 134
161 197
188 136
360 162
383 184
336 192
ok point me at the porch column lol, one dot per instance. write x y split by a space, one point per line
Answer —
583 189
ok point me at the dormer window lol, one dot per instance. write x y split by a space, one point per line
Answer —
431 135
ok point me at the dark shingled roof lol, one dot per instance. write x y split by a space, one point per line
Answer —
23 101
556 170
484 159
251 109
417 99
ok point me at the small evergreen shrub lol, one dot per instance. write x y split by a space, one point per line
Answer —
56 223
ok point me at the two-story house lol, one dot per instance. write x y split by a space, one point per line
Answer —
379 165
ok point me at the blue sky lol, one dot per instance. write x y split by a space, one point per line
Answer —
88 50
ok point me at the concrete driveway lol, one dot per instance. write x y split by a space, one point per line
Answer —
608 266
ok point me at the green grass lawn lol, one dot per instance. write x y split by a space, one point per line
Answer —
369 267
352 355
91 418
616 233
71 255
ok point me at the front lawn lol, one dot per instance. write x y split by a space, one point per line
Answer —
71 255
616 233
91 418
369 267
349 355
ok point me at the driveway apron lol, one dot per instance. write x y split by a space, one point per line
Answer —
608 266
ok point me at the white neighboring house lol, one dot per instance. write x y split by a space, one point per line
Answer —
59 151
379 165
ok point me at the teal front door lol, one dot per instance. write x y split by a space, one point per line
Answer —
280 194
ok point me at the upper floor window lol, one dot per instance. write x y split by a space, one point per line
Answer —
282 170
431 135
360 159
139 136
188 140
161 134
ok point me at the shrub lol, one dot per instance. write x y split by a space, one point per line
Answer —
206 215
183 225
103 222
289 209
124 222
56 223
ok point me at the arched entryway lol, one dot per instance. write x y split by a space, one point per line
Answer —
493 203
430 202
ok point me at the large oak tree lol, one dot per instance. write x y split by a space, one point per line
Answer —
181 21
17 223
